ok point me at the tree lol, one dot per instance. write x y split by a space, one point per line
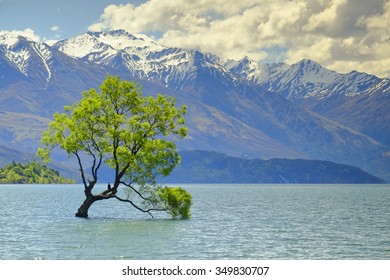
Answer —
128 132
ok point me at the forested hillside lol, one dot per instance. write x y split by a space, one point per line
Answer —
30 173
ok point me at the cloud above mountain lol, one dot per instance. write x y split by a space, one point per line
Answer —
343 35
28 33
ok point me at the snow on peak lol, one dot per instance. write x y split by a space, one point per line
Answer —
245 68
121 39
27 55
11 38
81 45
8 39
311 72
106 45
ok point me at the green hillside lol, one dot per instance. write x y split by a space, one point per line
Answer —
30 173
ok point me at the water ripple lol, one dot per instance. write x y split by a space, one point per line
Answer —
229 222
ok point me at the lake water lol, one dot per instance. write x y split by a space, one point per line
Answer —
228 222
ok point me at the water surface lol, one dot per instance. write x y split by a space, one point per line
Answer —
228 222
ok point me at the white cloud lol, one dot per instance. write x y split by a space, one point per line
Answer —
55 28
28 33
343 35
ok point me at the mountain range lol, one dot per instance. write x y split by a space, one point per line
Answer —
239 108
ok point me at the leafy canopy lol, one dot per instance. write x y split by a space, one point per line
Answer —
120 127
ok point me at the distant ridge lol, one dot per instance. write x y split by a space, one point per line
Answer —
212 167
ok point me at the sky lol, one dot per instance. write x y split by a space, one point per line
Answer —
341 35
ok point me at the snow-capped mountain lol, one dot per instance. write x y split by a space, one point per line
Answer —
307 79
107 44
249 70
356 84
175 68
142 57
32 59
37 67
232 105
37 80
300 80
356 100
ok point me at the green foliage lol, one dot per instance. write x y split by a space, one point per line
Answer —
177 200
30 173
120 125
121 128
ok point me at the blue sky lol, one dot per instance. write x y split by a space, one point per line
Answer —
71 17
342 35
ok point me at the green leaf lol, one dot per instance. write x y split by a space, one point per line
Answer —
177 200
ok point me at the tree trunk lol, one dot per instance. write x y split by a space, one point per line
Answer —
82 212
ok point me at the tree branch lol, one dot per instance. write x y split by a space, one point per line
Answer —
123 171
136 191
81 169
114 155
93 165
99 164
139 208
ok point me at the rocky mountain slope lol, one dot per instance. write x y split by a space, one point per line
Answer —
356 100
237 108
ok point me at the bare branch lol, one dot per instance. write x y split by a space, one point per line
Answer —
81 169
114 155
135 190
123 171
93 165
99 164
139 208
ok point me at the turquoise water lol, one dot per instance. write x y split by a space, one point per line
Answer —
228 222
